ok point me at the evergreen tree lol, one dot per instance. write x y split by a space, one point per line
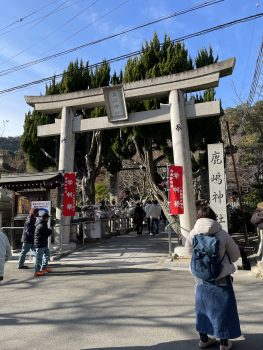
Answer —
36 147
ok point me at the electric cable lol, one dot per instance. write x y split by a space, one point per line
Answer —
37 43
21 19
87 25
256 77
135 53
174 14
34 25
249 52
39 18
196 7
59 28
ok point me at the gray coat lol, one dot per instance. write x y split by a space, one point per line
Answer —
5 252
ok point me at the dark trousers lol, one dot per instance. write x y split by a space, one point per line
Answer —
155 226
139 229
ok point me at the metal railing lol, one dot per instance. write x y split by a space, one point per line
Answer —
107 227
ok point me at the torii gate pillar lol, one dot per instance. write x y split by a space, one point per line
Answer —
182 156
66 164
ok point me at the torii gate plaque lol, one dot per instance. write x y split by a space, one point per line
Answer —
176 112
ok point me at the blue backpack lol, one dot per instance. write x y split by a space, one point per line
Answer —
205 263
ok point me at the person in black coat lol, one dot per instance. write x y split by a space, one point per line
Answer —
138 218
42 232
28 237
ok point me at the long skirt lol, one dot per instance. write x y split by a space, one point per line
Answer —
216 309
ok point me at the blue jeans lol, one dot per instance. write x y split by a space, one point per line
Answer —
42 258
25 249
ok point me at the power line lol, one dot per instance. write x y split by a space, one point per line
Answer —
249 50
256 77
59 28
21 19
39 18
135 53
106 14
174 14
46 16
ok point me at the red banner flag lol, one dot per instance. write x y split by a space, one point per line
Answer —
69 194
176 189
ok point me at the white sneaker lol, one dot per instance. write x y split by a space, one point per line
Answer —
151 234
226 347
210 341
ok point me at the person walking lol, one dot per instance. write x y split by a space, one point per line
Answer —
139 215
42 232
215 302
5 253
155 214
147 212
28 237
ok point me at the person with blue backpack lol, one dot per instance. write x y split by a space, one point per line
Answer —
213 253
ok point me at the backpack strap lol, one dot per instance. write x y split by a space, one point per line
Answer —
226 254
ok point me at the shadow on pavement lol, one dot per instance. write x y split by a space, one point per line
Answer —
250 341
102 271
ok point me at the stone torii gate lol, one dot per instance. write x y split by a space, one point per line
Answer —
176 112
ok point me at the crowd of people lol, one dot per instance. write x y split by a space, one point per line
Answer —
152 213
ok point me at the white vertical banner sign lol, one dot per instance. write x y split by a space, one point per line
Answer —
217 185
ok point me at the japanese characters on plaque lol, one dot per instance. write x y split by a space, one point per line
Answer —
217 184
176 189
69 194
115 103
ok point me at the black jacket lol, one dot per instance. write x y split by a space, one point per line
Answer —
29 229
139 215
42 232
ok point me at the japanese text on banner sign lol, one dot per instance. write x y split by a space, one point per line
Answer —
217 186
69 194
176 189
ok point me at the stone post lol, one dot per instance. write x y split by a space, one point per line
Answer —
182 156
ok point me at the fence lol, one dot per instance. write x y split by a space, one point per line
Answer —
90 229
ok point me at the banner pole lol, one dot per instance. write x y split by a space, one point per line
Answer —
169 209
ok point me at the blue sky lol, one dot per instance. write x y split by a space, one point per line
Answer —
43 33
